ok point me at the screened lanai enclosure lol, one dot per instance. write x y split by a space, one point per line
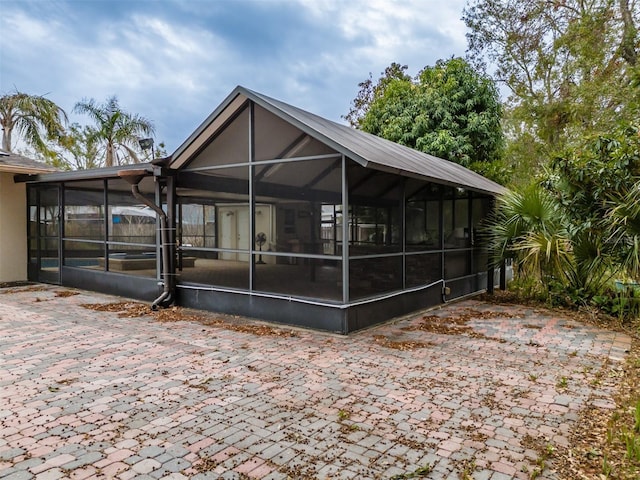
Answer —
272 212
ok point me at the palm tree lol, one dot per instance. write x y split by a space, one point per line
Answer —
116 129
532 227
624 229
29 116
529 227
81 147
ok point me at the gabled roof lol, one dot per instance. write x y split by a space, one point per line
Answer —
14 163
368 150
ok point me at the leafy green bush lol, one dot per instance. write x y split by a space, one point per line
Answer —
576 232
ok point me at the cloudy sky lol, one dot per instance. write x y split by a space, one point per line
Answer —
174 61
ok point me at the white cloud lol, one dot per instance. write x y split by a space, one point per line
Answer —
149 53
173 61
384 31
32 30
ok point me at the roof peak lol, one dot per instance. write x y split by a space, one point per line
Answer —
367 149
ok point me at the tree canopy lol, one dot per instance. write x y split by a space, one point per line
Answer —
570 67
111 140
115 131
571 120
35 118
79 148
449 110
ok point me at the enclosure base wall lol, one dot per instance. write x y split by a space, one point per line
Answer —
281 311
130 286
362 316
269 309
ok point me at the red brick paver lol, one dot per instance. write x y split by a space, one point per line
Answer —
85 393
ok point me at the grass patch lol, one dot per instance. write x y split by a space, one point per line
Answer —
420 472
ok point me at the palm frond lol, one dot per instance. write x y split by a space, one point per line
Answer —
117 129
36 118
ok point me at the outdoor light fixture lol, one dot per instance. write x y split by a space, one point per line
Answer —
146 144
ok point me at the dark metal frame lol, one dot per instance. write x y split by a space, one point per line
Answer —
344 316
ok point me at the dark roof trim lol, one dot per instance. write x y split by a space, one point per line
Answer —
90 174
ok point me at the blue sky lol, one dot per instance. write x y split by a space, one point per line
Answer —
174 61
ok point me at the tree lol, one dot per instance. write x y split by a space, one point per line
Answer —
567 63
115 129
159 151
35 118
598 185
578 229
449 110
529 227
80 148
369 92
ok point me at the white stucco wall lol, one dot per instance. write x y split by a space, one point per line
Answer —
13 229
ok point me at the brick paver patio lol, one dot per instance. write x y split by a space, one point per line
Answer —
86 394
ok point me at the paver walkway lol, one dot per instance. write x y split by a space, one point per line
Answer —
86 394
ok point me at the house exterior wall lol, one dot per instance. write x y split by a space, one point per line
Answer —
13 230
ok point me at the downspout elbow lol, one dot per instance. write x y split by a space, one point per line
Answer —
167 297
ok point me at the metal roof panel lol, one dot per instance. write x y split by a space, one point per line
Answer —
376 152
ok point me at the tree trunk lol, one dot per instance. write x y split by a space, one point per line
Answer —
6 139
108 162
629 33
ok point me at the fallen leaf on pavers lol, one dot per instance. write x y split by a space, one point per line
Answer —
203 385
14 284
472 313
66 293
177 314
457 324
532 326
25 290
444 325
180 314
400 344
419 473
67 381
300 472
125 309
136 310
205 465
262 330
